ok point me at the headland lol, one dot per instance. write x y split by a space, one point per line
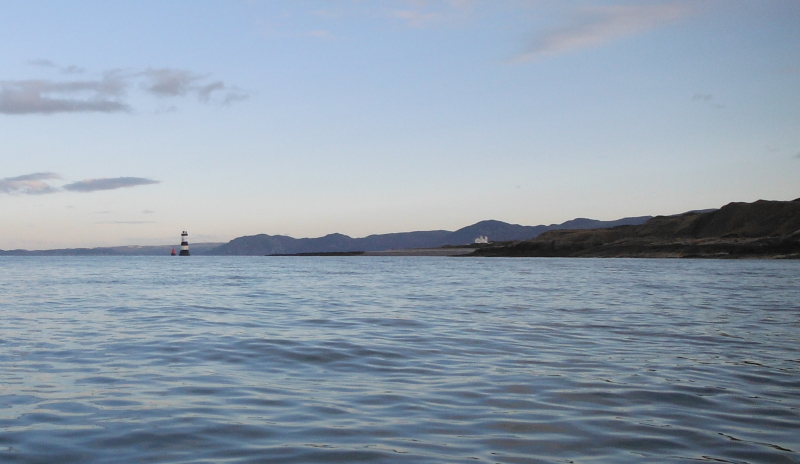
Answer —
762 229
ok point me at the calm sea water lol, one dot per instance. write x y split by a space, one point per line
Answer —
401 360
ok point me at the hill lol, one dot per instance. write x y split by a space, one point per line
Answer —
263 244
759 229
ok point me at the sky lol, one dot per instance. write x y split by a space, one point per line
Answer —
124 123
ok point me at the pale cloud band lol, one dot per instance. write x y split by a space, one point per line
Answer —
587 27
107 94
29 184
91 185
598 26
38 184
128 222
169 82
45 96
64 69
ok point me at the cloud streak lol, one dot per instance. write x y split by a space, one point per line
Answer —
29 184
168 82
108 183
414 18
708 99
127 222
108 93
597 26
49 64
39 184
409 13
47 97
420 13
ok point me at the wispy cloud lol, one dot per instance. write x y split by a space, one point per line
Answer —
108 93
42 63
47 97
109 183
69 69
410 13
39 183
29 184
597 26
233 95
127 222
414 18
204 92
73 69
168 82
421 13
708 99
321 34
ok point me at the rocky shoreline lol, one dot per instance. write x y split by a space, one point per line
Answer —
768 248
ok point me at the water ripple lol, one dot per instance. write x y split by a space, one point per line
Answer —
362 359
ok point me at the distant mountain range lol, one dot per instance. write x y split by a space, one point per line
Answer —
763 229
280 244
337 243
132 250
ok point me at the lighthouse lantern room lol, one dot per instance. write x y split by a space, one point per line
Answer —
184 244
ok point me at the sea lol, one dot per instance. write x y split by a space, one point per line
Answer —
398 360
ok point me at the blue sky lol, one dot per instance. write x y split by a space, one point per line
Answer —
127 122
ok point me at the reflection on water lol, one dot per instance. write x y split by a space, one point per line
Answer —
368 359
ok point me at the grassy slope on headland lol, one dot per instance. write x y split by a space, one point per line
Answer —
763 229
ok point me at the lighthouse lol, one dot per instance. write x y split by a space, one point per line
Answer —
184 244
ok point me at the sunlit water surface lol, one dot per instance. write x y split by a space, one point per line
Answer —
401 360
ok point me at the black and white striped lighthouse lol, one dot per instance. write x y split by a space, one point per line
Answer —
184 244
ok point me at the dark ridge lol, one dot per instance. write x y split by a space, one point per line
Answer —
767 229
